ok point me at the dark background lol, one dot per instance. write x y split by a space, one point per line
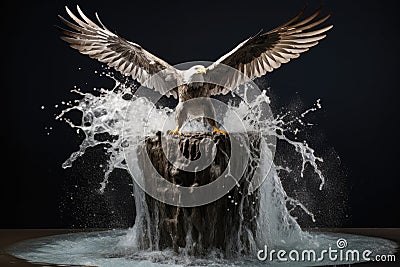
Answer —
354 71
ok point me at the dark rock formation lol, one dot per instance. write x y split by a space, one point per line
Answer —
227 224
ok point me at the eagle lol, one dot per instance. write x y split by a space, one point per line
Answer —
253 58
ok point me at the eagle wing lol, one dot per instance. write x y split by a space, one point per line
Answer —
266 51
126 57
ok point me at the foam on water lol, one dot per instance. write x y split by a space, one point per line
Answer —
124 119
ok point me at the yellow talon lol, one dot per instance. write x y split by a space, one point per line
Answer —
176 131
219 131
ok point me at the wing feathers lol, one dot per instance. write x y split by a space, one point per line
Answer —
126 57
267 51
313 33
309 26
295 18
304 40
86 19
101 23
307 20
77 20
75 27
254 57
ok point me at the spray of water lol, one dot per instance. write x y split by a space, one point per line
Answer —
108 113
117 119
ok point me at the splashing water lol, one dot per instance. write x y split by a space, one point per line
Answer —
104 121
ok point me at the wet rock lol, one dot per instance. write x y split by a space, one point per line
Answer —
227 224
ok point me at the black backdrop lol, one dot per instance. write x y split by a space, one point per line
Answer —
354 71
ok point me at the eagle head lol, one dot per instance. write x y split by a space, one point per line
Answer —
194 74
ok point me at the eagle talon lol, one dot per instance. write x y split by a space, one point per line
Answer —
219 131
176 132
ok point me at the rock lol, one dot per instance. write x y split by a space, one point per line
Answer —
227 224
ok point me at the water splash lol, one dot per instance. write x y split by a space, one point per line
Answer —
104 117
103 120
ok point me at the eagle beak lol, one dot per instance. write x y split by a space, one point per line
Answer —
202 70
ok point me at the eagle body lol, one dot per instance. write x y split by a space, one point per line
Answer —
194 109
252 58
190 91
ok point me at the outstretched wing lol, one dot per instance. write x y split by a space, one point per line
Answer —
266 51
126 57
